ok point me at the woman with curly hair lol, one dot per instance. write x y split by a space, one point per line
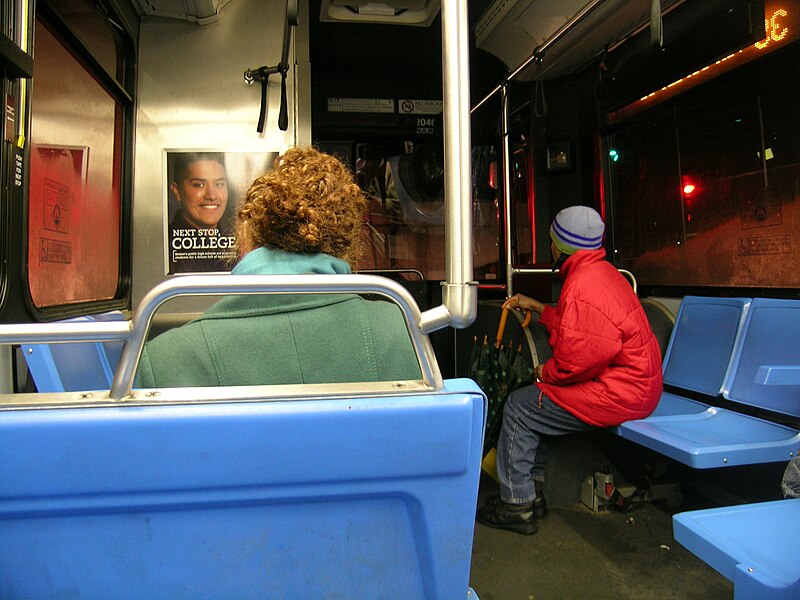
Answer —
304 216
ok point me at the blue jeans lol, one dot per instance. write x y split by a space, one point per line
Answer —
528 417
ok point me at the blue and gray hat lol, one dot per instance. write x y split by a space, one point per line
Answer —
577 228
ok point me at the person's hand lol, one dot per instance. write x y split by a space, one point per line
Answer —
521 302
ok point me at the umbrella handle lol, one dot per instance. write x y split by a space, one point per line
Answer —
502 327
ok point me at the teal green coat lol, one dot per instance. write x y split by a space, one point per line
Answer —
283 339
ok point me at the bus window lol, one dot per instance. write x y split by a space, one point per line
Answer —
487 201
404 185
91 27
74 206
521 201
704 184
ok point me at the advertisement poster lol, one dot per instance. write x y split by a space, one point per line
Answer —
203 189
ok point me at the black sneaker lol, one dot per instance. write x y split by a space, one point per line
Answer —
518 518
539 505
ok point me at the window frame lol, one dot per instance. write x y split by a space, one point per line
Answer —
123 93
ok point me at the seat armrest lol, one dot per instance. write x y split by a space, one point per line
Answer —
778 375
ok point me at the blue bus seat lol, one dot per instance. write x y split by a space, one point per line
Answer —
339 497
754 545
766 364
702 342
716 349
696 359
73 367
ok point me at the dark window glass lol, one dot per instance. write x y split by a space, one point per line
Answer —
404 227
705 187
97 31
521 185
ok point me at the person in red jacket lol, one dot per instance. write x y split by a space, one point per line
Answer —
605 368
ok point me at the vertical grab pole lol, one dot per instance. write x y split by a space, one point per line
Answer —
506 224
459 295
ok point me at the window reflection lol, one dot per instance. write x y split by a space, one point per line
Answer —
704 186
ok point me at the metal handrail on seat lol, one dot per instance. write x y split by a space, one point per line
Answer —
134 332
212 285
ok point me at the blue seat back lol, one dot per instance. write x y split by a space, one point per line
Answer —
702 343
344 497
76 366
765 371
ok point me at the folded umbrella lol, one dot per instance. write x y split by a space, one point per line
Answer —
498 369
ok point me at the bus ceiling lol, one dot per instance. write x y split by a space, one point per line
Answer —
393 12
202 12
398 12
568 34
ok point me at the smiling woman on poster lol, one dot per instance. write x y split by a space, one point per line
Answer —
200 237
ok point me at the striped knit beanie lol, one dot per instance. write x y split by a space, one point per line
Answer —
577 228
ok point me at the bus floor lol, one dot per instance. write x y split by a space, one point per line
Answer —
578 554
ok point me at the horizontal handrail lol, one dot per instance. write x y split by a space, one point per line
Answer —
134 332
624 272
86 331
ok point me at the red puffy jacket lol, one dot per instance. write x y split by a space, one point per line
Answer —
606 364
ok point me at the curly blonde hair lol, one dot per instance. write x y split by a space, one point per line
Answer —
308 203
